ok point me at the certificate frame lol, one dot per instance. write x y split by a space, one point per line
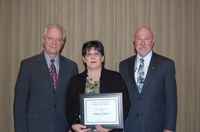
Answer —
105 109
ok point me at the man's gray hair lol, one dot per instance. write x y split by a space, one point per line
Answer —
55 26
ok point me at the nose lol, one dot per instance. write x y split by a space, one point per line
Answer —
92 55
54 41
57 41
142 41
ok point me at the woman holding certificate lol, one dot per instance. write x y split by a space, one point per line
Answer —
94 80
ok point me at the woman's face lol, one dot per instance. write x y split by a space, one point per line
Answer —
93 59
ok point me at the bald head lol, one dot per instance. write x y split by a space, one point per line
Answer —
144 28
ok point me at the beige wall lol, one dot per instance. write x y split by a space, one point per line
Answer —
176 24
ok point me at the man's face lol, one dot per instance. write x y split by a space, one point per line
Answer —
53 42
143 41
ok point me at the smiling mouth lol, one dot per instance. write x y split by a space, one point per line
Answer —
142 47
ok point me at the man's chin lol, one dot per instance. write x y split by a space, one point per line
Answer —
143 54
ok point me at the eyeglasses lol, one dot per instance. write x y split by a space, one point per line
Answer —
51 38
96 54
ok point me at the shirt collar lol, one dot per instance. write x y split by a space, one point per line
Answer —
147 58
48 60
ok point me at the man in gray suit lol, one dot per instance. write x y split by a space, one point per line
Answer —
152 87
40 99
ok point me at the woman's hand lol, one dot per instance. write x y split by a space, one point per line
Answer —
101 129
80 128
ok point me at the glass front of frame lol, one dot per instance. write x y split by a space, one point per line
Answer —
105 109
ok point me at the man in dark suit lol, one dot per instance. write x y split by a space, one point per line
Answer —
152 87
41 87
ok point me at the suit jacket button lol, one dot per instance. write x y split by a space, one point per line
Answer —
55 106
137 114
54 92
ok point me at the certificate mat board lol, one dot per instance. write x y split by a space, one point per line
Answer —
105 109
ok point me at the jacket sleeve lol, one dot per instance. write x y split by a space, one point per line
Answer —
21 99
170 98
73 114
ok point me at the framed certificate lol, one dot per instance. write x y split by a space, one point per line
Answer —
105 109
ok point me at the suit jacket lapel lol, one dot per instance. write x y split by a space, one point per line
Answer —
62 75
150 72
44 68
131 69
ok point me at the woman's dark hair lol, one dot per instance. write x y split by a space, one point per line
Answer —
93 44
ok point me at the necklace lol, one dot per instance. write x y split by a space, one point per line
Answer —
92 80
93 76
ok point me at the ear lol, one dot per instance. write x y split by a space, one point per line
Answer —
102 59
154 40
64 41
84 59
43 40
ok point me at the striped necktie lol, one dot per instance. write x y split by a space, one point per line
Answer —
53 73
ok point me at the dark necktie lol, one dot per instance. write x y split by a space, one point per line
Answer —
53 73
140 77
